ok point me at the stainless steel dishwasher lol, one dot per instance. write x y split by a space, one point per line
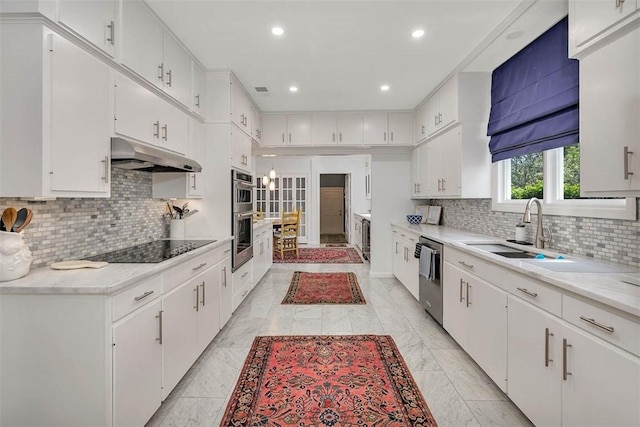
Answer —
430 290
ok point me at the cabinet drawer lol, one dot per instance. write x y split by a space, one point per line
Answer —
136 296
486 270
188 269
612 327
535 292
240 295
408 237
242 276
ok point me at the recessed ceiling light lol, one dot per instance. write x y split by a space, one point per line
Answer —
293 89
384 88
268 155
278 31
416 34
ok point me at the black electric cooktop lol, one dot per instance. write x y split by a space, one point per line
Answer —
151 252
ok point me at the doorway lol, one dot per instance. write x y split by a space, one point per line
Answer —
333 207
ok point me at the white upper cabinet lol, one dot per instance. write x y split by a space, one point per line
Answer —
240 107
609 119
56 109
286 129
350 130
240 150
323 129
401 128
420 123
376 129
198 93
591 21
95 21
442 108
256 124
153 53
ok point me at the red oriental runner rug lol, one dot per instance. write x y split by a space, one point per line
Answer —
336 380
321 256
324 288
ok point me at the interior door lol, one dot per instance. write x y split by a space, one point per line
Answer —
331 210
347 206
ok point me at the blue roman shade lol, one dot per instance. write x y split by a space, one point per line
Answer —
534 98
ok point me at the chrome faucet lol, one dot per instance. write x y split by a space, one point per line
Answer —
541 238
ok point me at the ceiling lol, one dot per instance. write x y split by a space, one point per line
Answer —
339 53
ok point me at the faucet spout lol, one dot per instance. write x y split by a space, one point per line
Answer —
541 239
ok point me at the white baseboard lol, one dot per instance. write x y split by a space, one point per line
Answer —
381 275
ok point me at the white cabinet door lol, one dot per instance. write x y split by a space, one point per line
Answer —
454 304
226 291
81 99
415 171
602 382
177 71
432 108
299 128
256 124
174 128
401 128
397 260
591 19
198 91
323 129
420 123
609 119
534 366
350 128
376 129
450 162
94 21
135 111
412 282
179 338
448 103
208 312
137 367
487 323
240 150
196 152
240 107
274 127
142 42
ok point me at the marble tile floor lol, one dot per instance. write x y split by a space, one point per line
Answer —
457 391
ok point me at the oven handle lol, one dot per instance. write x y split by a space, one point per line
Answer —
244 215
243 184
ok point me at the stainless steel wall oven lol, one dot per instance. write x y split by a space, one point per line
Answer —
242 218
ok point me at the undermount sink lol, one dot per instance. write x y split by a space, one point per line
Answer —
516 254
503 250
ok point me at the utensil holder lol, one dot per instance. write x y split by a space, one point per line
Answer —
176 229
15 256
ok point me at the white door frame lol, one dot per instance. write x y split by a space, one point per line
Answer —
316 190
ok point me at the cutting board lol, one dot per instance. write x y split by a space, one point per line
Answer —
75 264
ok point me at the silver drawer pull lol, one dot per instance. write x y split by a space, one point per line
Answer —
199 267
159 317
245 274
528 292
597 325
565 368
244 293
146 294
547 334
227 251
465 264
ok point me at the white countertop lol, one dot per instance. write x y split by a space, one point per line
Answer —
102 281
363 215
607 288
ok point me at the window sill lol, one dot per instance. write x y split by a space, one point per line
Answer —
624 209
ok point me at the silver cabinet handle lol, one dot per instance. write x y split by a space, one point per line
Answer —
468 300
146 294
227 251
156 129
169 78
439 181
289 137
244 275
283 137
627 153
161 72
439 118
396 246
224 275
435 120
333 137
340 136
565 347
593 322
465 264
423 129
165 130
391 136
159 317
619 3
199 267
547 334
385 137
194 181
418 187
111 38
244 293
198 100
461 282
242 119
106 163
203 297
443 189
527 292
197 291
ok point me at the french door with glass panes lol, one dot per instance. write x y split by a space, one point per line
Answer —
290 192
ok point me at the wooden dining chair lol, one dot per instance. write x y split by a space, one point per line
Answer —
286 238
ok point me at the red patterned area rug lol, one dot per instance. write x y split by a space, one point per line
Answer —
320 256
324 288
337 380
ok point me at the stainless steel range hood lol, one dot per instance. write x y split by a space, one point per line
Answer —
127 154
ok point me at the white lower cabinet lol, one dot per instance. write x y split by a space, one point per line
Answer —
226 289
405 264
242 283
262 251
137 366
561 375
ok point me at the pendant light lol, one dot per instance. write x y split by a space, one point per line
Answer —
265 180
272 174
272 186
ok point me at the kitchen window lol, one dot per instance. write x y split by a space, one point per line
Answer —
553 176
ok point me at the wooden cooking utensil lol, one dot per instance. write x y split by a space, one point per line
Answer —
9 217
20 218
26 221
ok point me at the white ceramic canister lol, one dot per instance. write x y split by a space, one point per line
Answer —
176 229
15 256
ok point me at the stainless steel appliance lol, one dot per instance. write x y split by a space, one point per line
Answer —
151 252
366 239
430 290
242 218
127 154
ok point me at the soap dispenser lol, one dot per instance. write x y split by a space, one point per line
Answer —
521 232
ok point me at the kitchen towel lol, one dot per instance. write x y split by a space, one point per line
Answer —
427 263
